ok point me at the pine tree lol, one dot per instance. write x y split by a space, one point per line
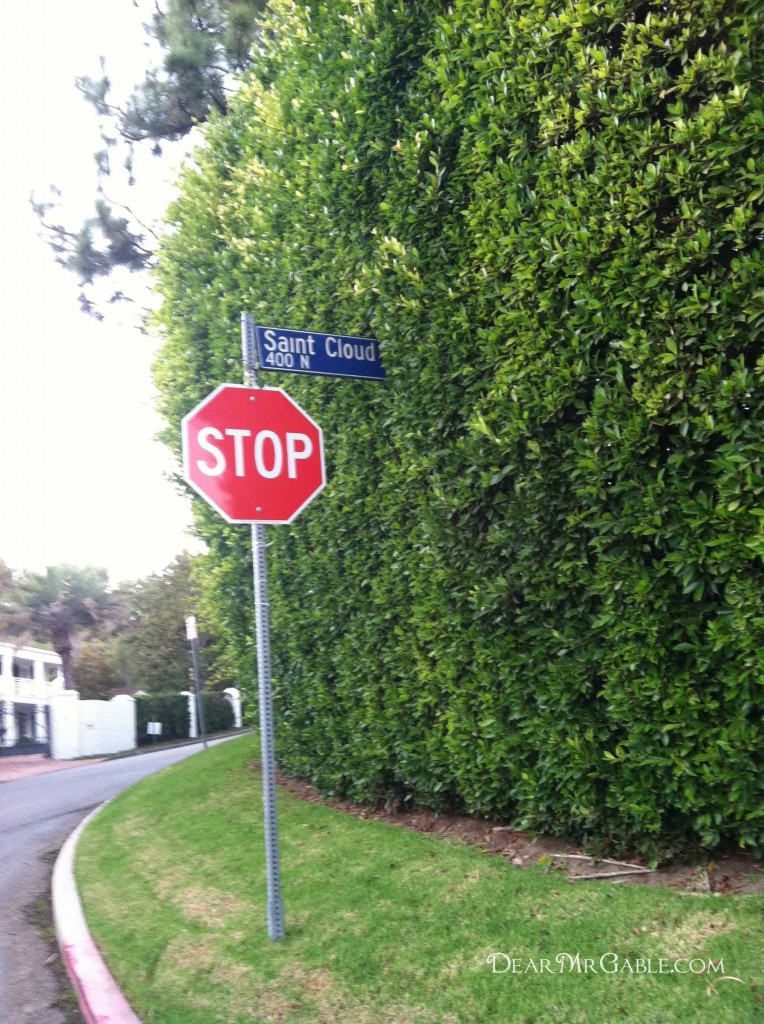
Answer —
204 44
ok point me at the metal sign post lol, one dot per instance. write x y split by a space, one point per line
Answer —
275 906
256 457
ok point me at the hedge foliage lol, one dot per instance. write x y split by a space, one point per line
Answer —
218 712
533 586
171 709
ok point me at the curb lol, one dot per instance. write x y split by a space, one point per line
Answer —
150 748
101 999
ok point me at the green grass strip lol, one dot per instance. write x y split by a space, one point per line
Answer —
384 925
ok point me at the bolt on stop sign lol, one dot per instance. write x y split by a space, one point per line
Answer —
253 454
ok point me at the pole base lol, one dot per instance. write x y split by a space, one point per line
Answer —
276 929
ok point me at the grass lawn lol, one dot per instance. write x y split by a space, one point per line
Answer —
384 925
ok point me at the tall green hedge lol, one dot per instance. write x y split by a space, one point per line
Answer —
171 709
533 586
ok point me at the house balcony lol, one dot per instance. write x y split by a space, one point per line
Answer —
29 675
31 691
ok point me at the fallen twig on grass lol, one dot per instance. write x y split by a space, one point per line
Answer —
600 860
611 874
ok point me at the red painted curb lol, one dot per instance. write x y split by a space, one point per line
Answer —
100 997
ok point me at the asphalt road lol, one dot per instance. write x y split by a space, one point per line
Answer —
36 816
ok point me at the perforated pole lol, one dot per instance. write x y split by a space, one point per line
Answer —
193 637
275 908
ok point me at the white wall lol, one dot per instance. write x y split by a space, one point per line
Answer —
65 726
107 727
87 728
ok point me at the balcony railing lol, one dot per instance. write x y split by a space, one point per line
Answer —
39 690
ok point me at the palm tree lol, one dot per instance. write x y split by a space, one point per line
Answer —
56 605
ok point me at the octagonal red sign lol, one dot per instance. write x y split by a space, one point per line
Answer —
253 454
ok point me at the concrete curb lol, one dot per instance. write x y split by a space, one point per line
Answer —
151 749
101 999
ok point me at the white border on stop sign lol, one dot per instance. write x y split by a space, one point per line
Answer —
185 444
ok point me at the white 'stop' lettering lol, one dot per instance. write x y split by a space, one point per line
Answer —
269 452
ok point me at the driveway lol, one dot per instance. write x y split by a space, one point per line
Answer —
37 813
21 766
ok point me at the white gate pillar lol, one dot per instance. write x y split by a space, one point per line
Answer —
233 696
65 726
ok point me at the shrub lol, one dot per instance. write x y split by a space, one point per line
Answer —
533 586
171 709
218 713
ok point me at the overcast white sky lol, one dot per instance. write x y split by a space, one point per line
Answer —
82 478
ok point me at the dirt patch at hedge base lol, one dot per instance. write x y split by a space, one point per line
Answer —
728 872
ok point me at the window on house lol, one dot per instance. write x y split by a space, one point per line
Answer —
23 668
51 671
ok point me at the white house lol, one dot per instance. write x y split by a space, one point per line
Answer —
30 678
38 715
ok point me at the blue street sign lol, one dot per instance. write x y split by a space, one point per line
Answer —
325 355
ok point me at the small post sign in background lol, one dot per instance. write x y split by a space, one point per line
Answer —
192 634
323 355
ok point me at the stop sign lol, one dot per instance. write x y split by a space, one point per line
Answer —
253 454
